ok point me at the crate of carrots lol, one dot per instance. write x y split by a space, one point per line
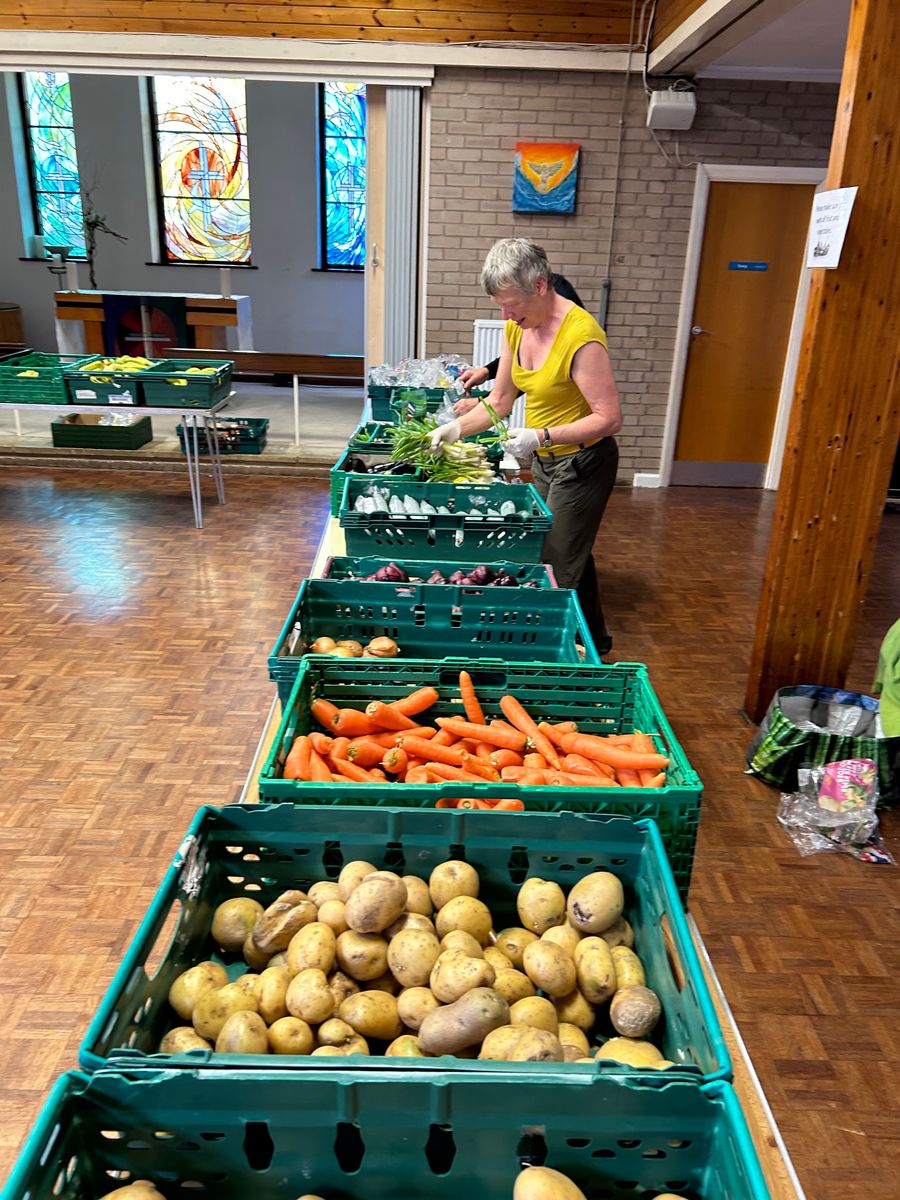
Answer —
477 733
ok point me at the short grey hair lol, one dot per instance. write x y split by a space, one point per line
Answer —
514 262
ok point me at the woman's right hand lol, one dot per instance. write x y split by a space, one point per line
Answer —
466 404
473 377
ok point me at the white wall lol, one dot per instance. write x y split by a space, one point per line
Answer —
295 307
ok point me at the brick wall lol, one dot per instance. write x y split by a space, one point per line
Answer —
476 118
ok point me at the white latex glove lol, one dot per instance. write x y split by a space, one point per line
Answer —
445 435
521 443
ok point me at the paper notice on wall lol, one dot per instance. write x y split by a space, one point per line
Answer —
830 218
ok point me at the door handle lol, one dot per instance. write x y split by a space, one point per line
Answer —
696 330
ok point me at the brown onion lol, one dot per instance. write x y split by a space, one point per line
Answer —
383 647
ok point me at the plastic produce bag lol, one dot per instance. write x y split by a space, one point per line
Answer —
806 725
834 809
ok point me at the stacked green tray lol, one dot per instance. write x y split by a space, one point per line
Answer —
104 386
262 851
47 387
602 699
340 473
346 567
432 620
355 1135
237 435
375 437
457 534
168 384
103 437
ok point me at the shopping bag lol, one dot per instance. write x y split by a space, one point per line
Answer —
808 726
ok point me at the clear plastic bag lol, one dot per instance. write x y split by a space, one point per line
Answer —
834 809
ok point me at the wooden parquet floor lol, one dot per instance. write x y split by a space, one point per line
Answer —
133 688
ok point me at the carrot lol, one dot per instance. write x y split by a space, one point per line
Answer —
553 734
438 772
565 726
296 765
505 739
517 716
319 771
443 738
365 752
625 740
386 716
417 774
396 760
324 712
502 758
483 751
391 737
536 762
628 778
657 780
531 778
321 743
377 775
444 802
470 802
512 774
599 750
339 747
350 723
475 766
417 701
513 804
469 745
577 764
419 748
498 724
567 779
473 709
351 771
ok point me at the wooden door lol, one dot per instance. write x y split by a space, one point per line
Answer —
753 247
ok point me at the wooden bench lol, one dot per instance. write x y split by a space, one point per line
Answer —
330 370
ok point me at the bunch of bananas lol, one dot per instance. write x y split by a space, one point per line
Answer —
191 371
28 374
125 362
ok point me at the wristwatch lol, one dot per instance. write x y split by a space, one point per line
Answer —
545 440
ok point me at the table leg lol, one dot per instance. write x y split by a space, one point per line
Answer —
296 412
193 466
18 422
211 428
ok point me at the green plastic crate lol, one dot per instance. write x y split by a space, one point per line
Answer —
340 474
237 435
398 402
163 387
428 620
457 535
48 387
104 437
364 1137
104 386
239 851
345 567
374 437
602 699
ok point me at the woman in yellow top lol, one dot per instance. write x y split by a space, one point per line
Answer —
554 352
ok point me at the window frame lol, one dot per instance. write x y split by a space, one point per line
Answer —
36 221
324 264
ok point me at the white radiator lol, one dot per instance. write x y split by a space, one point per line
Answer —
488 344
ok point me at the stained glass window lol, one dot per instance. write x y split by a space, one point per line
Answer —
204 186
342 152
47 105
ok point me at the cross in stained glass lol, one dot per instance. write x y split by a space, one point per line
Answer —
59 171
350 186
204 175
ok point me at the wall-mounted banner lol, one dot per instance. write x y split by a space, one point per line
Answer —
828 227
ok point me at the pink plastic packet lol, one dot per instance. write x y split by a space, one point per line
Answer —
849 785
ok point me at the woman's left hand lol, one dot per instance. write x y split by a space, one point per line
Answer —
521 443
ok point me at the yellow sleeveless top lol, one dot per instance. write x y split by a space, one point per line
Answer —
551 395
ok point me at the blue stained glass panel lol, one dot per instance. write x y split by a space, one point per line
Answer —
54 161
203 168
343 141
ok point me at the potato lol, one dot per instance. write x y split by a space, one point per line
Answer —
572 1036
213 1009
455 973
372 1015
536 1045
384 983
247 982
414 1005
182 1039
619 933
193 983
464 1023
411 956
341 986
540 905
410 920
466 913
596 970
375 903
233 920
290 1035
323 891
512 943
536 1012
458 939
450 879
574 1009
243 1033
565 936
281 920
595 902
352 874
550 968
632 1051
634 1011
543 1183
256 959
418 897
512 985
495 957
331 913
271 989
629 968
498 1045
140 1190
309 996
335 1032
312 946
362 955
357 1046
405 1046
278 960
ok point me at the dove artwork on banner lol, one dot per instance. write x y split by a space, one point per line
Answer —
545 177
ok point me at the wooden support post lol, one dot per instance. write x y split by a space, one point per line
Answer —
845 419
